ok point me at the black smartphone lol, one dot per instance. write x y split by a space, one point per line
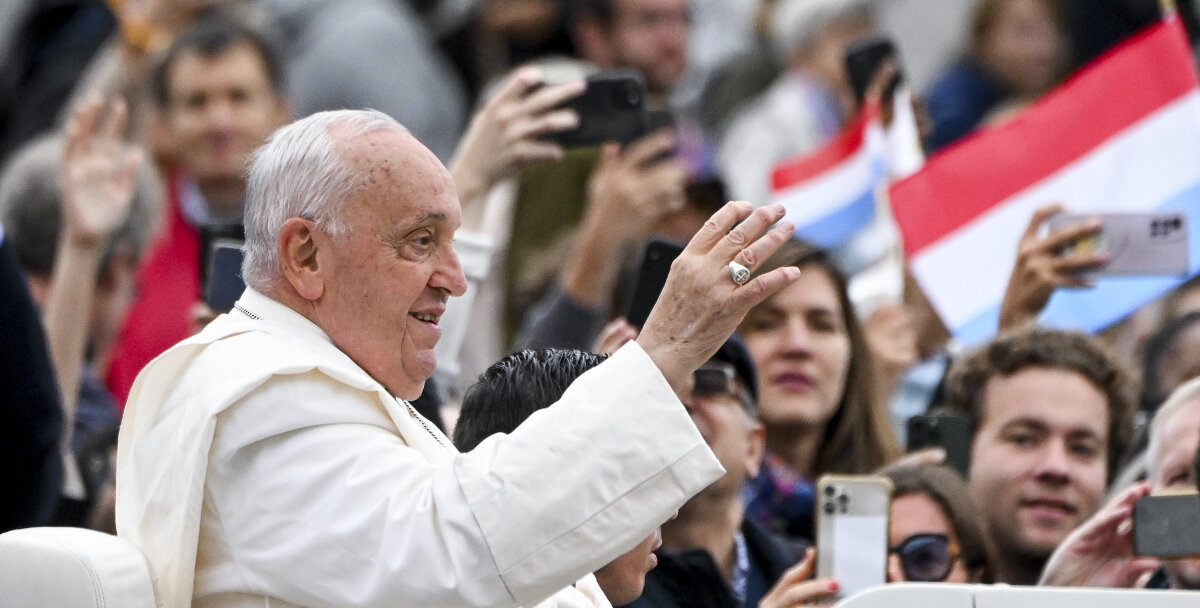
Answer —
1167 525
948 431
612 108
209 234
651 276
863 59
223 284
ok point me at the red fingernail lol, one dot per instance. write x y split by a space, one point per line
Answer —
834 586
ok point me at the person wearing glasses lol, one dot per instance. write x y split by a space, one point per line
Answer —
936 534
712 554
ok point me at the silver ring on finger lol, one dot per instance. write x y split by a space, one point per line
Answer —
740 274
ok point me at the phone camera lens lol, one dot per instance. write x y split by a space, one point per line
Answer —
632 96
830 508
830 491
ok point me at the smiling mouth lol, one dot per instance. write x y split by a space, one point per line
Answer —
426 317
1053 505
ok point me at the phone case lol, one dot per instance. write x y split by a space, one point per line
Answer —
224 285
651 276
1167 526
612 108
852 530
951 432
1153 243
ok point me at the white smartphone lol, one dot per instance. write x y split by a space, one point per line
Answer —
852 530
1151 243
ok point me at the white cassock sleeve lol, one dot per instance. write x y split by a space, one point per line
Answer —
313 499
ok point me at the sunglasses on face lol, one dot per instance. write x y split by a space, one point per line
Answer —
926 558
718 379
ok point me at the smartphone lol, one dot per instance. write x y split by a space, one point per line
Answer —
852 530
611 108
209 234
1167 525
652 273
863 59
951 432
223 284
1151 243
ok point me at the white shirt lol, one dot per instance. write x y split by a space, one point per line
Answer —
257 457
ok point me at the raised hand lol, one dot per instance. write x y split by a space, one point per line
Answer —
1099 553
701 305
506 133
97 174
795 589
1041 267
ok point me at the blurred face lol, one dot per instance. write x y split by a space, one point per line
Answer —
651 36
733 436
1171 468
219 109
800 344
1182 362
1039 458
389 276
916 514
1025 47
623 579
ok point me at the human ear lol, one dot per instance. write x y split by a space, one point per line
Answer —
755 446
298 250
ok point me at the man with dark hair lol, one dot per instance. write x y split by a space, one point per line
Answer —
505 395
1050 413
648 36
219 94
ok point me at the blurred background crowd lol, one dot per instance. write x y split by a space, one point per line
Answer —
125 127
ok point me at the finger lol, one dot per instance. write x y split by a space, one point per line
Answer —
802 570
117 114
650 147
523 80
552 96
809 591
718 226
83 122
1069 267
553 122
748 232
753 256
880 81
534 150
1039 217
1060 239
764 286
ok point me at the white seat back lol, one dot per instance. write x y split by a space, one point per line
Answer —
946 595
72 568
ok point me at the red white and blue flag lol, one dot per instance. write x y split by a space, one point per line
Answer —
830 194
1121 135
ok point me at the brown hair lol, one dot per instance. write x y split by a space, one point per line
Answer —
1076 352
944 487
858 438
987 13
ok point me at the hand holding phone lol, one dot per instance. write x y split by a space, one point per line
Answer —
852 530
1167 525
1145 244
863 60
951 432
611 108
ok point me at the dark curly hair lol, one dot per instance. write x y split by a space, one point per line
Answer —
1085 355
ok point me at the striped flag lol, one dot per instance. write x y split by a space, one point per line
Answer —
830 194
1121 135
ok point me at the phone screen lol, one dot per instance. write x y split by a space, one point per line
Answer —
224 285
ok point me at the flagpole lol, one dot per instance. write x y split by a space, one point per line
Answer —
1168 8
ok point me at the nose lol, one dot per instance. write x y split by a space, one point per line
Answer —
448 276
1053 465
219 114
895 574
797 339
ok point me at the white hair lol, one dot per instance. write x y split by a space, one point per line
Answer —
1187 394
796 25
301 172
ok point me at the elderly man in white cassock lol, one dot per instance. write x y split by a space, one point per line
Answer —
273 460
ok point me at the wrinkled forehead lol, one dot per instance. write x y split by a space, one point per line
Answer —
392 164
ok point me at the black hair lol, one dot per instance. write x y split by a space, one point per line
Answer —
515 387
213 33
1158 347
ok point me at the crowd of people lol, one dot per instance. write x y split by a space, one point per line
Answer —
428 393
